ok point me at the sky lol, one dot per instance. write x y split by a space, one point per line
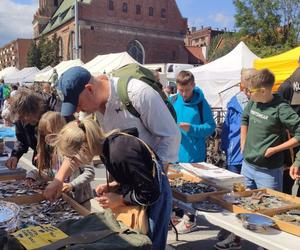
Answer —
16 16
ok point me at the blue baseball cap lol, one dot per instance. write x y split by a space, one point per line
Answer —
71 83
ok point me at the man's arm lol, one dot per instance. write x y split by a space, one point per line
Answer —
21 145
207 127
158 120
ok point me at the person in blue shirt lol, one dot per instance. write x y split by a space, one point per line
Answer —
231 129
196 123
194 118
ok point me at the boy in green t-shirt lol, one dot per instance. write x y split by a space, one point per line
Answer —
263 133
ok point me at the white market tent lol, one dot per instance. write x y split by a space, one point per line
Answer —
109 62
60 69
19 77
31 78
7 72
218 78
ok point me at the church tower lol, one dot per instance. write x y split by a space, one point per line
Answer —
43 14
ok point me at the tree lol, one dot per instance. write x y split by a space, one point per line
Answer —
33 56
54 57
268 26
258 18
221 45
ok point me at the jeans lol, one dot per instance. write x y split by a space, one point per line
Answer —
256 177
235 168
159 216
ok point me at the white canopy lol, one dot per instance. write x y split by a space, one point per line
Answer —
19 76
60 68
31 78
218 79
7 72
109 62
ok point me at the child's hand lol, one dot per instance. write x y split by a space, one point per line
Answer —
28 182
67 187
269 152
110 200
295 173
185 126
102 188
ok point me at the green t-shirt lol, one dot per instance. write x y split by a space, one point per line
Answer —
267 124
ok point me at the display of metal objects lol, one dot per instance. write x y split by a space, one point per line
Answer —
188 187
14 188
291 216
45 212
207 206
256 222
260 201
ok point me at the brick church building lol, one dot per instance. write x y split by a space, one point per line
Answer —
151 31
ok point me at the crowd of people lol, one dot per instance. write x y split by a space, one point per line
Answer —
259 130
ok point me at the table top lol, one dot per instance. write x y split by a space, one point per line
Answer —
273 239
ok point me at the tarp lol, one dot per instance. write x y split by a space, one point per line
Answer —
7 72
31 78
109 62
282 65
218 79
60 68
19 77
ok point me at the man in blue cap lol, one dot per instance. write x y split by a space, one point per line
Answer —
80 91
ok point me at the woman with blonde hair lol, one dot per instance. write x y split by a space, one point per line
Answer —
132 164
48 161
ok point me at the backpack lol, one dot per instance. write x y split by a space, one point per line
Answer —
136 71
199 105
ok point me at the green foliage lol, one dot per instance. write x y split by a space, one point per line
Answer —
272 23
45 53
33 56
221 45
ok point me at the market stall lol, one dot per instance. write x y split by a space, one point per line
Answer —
206 191
218 79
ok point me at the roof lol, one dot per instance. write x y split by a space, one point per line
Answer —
196 53
64 13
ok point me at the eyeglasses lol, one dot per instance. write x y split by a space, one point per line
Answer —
253 91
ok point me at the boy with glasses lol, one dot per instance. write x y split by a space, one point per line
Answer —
263 137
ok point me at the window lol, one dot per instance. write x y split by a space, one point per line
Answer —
60 48
125 7
55 3
163 13
71 45
151 11
138 9
136 50
110 4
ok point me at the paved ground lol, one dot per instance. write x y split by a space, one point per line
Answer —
204 238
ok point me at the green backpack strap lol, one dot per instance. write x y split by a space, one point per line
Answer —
123 94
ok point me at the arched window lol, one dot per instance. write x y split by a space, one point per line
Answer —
136 50
163 13
125 7
138 9
151 11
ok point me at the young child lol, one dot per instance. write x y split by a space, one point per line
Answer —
48 161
